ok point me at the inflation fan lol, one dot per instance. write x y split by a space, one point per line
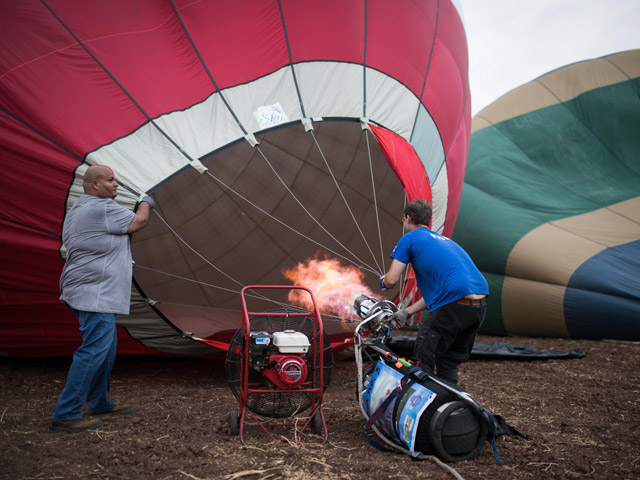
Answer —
278 365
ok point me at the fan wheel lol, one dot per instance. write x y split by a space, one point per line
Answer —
234 426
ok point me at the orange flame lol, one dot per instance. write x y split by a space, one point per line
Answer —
334 286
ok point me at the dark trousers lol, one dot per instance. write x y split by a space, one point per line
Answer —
446 337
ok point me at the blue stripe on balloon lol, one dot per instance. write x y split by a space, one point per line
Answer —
602 299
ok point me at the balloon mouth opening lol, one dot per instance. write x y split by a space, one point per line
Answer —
302 210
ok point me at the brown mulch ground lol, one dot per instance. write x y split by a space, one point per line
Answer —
582 417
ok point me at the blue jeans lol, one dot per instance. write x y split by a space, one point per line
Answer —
90 372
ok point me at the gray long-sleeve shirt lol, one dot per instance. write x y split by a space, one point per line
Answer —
98 271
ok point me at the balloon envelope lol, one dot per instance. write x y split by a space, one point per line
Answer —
551 204
267 132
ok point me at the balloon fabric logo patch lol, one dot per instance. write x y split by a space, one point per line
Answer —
271 115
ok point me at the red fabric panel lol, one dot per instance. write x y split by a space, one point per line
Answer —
327 30
29 259
17 18
33 190
37 324
34 322
405 26
134 48
214 343
248 43
456 166
57 87
341 343
405 163
448 74
410 291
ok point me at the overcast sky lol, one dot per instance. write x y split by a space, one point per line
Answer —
511 42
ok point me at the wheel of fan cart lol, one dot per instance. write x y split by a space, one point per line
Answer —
457 432
234 428
317 423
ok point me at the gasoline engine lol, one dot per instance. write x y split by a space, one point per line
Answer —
280 357
278 365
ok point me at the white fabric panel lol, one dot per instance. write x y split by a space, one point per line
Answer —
344 81
440 197
142 159
76 187
390 104
278 87
146 158
202 128
124 198
427 143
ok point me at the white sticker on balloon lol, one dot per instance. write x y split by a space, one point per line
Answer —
271 115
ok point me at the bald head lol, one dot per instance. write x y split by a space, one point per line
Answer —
99 181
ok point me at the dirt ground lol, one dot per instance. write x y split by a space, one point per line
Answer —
582 417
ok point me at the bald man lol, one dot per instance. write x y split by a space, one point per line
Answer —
96 286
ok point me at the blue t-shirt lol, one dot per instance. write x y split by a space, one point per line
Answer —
444 271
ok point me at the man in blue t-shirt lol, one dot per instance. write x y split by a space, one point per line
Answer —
453 290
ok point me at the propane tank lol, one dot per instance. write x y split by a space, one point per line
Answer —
424 417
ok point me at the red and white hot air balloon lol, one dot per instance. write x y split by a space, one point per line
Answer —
266 131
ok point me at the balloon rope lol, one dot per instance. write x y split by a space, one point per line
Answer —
187 279
405 271
355 222
199 255
254 295
363 267
309 213
375 199
325 315
194 250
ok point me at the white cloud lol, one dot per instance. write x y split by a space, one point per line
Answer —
511 42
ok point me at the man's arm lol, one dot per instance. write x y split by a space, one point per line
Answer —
142 215
401 317
416 307
392 277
